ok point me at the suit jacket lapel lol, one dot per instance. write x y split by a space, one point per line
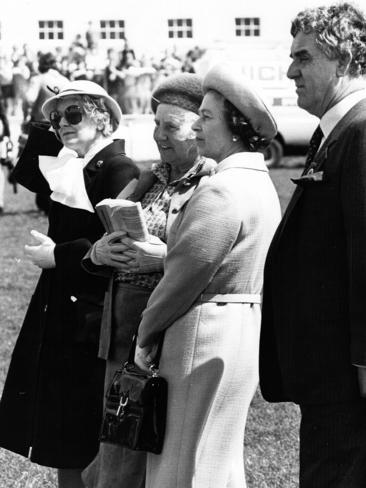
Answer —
320 158
322 154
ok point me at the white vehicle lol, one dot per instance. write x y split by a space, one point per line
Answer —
295 127
265 67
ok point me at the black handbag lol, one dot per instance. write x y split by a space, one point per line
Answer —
136 404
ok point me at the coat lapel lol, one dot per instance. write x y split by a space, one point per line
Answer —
320 159
95 165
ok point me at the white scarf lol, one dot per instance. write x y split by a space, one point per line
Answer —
65 177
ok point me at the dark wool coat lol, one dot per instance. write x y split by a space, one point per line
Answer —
314 314
52 400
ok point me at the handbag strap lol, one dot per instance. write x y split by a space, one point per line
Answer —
131 355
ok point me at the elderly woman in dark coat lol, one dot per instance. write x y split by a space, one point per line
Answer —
52 401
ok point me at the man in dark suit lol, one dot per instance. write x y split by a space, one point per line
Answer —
313 339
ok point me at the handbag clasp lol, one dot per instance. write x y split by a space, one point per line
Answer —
121 407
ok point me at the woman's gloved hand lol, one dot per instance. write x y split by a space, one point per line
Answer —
109 250
144 257
41 254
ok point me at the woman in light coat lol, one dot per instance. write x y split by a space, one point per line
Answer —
208 301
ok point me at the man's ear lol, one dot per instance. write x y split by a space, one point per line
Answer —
344 64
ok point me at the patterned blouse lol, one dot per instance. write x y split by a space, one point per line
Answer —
155 205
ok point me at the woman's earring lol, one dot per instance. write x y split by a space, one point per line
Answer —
235 138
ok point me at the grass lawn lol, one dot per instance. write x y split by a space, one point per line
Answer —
272 430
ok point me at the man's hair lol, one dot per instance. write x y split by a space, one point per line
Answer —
340 29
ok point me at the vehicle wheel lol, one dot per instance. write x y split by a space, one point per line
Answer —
273 154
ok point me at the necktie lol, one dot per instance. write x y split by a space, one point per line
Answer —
313 146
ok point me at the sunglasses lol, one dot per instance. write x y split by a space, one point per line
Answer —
72 114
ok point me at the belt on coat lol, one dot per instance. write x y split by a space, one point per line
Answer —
231 297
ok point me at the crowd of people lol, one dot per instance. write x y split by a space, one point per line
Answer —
127 78
222 290
27 78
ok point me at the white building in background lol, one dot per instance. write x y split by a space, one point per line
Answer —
254 33
150 26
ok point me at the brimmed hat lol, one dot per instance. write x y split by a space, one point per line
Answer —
183 90
82 87
233 86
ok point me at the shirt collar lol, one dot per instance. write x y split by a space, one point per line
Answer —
331 118
246 160
162 171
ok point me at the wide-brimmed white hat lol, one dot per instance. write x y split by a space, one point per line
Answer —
226 79
82 87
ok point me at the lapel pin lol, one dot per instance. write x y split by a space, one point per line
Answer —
99 163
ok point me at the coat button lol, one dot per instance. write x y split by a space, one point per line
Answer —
175 210
99 163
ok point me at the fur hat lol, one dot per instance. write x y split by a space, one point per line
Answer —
183 90
82 87
233 86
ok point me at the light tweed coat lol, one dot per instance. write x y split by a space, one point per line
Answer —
208 302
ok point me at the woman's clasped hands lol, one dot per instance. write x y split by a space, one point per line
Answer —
125 254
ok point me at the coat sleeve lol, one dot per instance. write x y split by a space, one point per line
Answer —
353 200
206 234
119 172
26 171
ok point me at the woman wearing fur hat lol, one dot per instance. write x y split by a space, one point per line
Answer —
52 401
208 301
138 267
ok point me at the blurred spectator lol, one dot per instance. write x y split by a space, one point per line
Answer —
130 72
91 36
21 76
113 77
4 141
144 85
77 68
126 51
42 86
126 78
78 44
6 83
188 65
95 63
38 91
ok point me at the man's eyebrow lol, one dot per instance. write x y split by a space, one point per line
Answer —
300 52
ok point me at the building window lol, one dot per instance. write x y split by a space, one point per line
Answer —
247 26
179 28
112 29
51 29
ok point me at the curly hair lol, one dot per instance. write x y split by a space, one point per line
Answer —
340 30
241 127
98 111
